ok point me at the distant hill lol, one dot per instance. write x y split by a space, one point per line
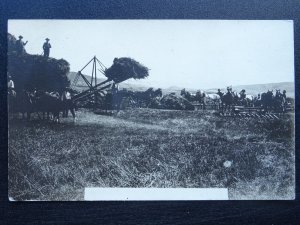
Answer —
252 89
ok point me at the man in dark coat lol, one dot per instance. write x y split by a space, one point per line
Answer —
220 93
20 45
243 94
284 94
46 48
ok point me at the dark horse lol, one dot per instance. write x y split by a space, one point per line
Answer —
53 102
279 102
197 97
267 100
143 98
227 100
20 102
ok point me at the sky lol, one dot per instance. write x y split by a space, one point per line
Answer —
194 54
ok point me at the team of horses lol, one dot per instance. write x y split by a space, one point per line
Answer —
222 101
226 101
47 105
133 99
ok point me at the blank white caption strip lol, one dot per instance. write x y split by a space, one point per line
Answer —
153 194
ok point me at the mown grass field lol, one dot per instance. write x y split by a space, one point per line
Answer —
151 148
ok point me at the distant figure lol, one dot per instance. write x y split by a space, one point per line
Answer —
46 48
10 86
115 88
20 45
203 100
278 94
243 94
220 93
284 94
258 97
229 90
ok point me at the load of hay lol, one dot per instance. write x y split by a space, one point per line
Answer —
126 68
171 101
35 71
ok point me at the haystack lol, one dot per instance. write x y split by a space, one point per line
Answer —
171 101
36 71
126 68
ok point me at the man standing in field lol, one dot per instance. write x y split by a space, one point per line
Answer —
20 45
46 48
10 86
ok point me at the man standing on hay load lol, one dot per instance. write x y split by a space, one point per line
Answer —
20 45
46 48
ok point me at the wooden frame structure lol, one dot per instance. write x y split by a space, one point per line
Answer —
94 87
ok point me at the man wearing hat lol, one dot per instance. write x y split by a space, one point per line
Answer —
46 48
20 45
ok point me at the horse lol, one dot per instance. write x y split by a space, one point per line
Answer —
245 100
197 97
213 99
279 102
267 100
48 102
20 102
228 101
144 98
256 102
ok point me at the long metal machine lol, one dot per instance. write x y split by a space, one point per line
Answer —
94 87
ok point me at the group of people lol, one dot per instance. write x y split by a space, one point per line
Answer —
20 46
229 91
250 100
20 50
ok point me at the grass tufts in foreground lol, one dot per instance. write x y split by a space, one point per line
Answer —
151 148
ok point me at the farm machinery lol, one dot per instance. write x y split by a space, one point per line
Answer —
121 70
95 89
250 111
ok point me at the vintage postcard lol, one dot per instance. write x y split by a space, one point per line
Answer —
151 110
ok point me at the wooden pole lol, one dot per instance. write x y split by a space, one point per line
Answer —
92 73
95 70
90 92
79 74
87 92
101 64
86 80
95 73
87 64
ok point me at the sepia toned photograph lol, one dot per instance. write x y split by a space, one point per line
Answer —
150 110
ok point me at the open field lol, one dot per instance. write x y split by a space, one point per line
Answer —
151 148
